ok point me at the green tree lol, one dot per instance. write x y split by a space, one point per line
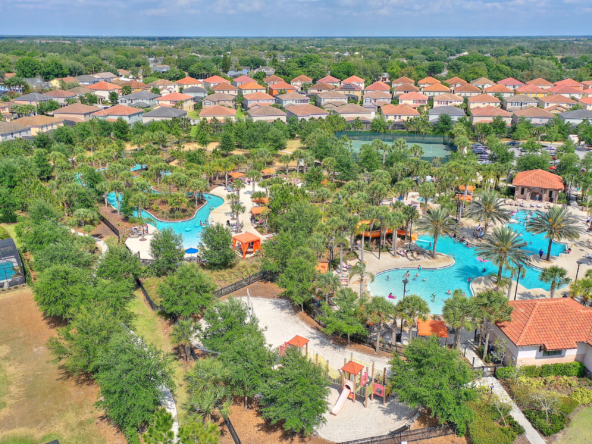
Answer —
458 313
556 224
436 378
437 222
297 278
379 313
118 262
556 276
121 130
161 429
296 394
413 307
187 292
488 208
183 333
360 270
126 90
113 98
346 320
61 288
208 389
216 246
197 432
491 306
166 248
501 247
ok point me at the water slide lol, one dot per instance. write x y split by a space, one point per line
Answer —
349 386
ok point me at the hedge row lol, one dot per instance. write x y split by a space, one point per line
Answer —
534 371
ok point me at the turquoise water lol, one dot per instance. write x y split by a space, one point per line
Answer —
189 229
466 266
6 270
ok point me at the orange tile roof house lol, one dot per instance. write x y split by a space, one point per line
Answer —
331 97
225 88
257 99
177 99
570 82
133 84
377 86
189 82
298 82
127 113
212 81
482 82
550 101
350 90
250 88
519 101
488 113
455 82
541 83
330 80
534 115
39 123
293 98
76 112
502 90
165 86
586 103
398 113
404 88
533 91
413 99
483 100
377 98
424 83
242 80
435 89
272 79
306 112
467 90
281 88
511 83
358 81
319 88
103 89
548 331
538 185
351 112
217 112
447 100
567 91
402 81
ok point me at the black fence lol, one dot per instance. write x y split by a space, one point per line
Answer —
398 437
232 431
111 226
262 275
391 137
153 305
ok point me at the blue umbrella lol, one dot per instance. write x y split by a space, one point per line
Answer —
192 251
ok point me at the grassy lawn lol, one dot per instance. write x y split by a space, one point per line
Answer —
193 114
239 113
11 230
152 328
578 431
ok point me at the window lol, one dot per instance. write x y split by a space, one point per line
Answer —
550 194
552 353
522 191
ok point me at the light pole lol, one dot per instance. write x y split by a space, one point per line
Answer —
518 280
405 282
330 255
380 236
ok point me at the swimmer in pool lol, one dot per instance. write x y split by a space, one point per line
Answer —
388 278
448 292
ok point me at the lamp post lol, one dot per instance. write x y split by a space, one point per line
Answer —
380 236
578 271
518 280
330 254
405 282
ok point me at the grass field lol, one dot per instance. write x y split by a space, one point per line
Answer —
193 114
579 430
11 231
40 402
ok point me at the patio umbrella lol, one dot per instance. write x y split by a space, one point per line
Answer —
192 251
552 167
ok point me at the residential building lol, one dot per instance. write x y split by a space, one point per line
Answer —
587 84
125 75
198 93
482 83
5 111
454 113
519 101
266 114
351 112
76 113
300 81
268 70
586 103
483 100
501 90
164 113
32 99
257 99
189 82
511 83
536 116
135 85
306 112
212 81
467 90
549 101
413 99
541 83
182 101
331 97
281 88
570 82
11 131
39 123
218 112
428 81
160 68
385 77
80 91
60 96
404 88
103 89
403 81
272 79
105 76
330 80
376 86
538 185
293 98
235 74
350 90
87 80
225 88
165 86
488 113
376 98
576 117
355 80
57 82
319 88
251 88
142 97
455 82
567 91
398 113
435 90
127 113
238 81
447 100
547 331
219 100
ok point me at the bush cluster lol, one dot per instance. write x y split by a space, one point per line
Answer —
582 396
534 371
487 426
538 420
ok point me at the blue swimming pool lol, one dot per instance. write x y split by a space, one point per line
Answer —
189 229
433 285
6 270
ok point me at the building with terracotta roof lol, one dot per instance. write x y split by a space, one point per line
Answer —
39 123
350 90
227 100
376 98
218 112
447 100
467 90
292 98
538 185
435 89
266 114
127 113
60 96
587 84
453 112
351 112
135 85
488 113
318 88
251 88
165 86
182 101
541 83
424 83
300 81
548 331
6 111
586 103
511 83
272 79
212 81
413 99
404 88
567 91
398 113
102 90
330 80
377 86
501 90
76 112
225 88
519 101
483 100
551 101
333 97
455 82
281 88
306 112
355 80
403 81
241 80
189 82
12 131
533 91
482 83
257 99
570 82
536 116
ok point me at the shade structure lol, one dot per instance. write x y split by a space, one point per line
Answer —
353 368
298 341
261 200
432 327
467 198
246 240
192 251
322 267
268 171
470 188
257 210
236 175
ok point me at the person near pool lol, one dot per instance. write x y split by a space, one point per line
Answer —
469 280
419 267
541 252
448 292
433 297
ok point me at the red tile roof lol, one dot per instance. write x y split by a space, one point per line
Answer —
378 86
224 86
251 85
558 99
328 79
404 80
398 110
533 112
173 97
436 87
215 79
104 86
353 79
448 97
217 110
282 85
77 108
413 96
531 89
490 111
305 110
564 89
59 94
273 79
244 79
569 82
510 81
498 89
484 98
406 87
302 78
539 81
259 96
429 80
321 86
556 324
118 110
189 81
456 81
481 81
538 179
467 88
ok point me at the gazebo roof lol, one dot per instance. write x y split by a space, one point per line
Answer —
432 327
352 368
246 238
470 188
236 175
264 200
298 341
322 267
257 210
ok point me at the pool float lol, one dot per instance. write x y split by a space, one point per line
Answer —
188 229
513 221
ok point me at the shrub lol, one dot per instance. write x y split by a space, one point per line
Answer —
530 371
538 420
567 406
4 234
567 369
504 372
531 383
582 396
515 425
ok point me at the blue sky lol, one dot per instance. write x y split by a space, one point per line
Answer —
297 17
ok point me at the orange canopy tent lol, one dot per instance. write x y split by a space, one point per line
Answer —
268 171
261 200
471 188
322 267
432 327
258 210
246 239
467 198
298 341
236 175
353 368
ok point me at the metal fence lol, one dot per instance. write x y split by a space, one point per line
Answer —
111 226
386 137
260 276
232 431
398 437
153 305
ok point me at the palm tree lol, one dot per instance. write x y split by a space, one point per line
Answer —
115 186
415 307
255 176
411 214
501 247
437 222
104 188
327 284
208 389
394 221
379 313
556 276
360 270
183 333
237 208
488 208
458 313
341 241
557 224
582 289
514 271
491 306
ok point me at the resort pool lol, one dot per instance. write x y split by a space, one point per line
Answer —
6 270
437 282
190 229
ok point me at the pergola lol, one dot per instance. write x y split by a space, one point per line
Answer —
246 240
299 341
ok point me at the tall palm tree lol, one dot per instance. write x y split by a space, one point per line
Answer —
514 271
341 241
488 208
327 284
411 215
502 246
491 306
394 221
360 270
379 313
437 222
182 334
237 208
458 312
582 289
415 307
255 176
208 388
557 224
556 276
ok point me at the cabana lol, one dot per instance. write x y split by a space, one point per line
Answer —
432 327
322 267
470 188
247 240
267 172
261 200
236 175
255 211
467 198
